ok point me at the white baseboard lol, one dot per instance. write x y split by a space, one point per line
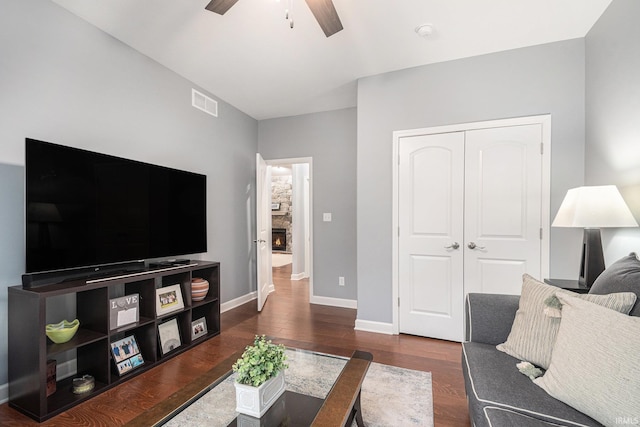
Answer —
229 305
335 302
299 276
370 326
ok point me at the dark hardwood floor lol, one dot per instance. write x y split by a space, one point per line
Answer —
289 319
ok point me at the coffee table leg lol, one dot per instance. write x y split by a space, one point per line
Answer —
342 404
358 411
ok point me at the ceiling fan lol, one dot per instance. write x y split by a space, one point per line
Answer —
323 10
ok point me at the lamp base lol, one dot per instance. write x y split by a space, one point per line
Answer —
592 263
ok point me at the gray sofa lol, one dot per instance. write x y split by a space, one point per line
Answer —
498 394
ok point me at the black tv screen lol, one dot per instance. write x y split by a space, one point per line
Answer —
87 209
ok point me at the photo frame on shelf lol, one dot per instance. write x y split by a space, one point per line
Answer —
198 328
169 299
169 336
275 206
126 354
124 311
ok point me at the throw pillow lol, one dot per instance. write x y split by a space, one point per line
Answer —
621 276
594 367
533 333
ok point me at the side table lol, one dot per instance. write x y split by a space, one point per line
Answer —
570 285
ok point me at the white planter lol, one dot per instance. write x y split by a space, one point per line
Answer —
255 401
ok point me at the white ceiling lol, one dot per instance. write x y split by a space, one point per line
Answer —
250 58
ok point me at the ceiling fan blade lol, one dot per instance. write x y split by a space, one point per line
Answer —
220 6
326 15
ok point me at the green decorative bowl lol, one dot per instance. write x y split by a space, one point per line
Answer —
62 332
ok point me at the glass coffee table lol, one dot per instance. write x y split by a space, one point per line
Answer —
321 389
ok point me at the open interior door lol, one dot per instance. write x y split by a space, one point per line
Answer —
263 229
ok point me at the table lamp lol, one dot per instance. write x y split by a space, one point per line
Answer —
593 208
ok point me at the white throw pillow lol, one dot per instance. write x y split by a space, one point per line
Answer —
595 366
533 333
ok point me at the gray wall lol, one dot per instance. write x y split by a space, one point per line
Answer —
530 81
63 80
11 246
330 138
613 115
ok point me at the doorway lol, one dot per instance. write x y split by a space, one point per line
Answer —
291 218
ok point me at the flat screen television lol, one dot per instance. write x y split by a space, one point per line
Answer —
86 209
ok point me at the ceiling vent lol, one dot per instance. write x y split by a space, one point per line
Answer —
204 103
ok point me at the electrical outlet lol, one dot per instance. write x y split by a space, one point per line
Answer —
341 281
326 217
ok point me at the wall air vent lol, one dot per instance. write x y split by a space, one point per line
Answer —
204 103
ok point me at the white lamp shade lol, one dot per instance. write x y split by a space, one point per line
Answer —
594 207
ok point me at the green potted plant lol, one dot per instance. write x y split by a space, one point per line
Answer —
259 376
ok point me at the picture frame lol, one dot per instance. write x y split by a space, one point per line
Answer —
126 354
124 311
275 206
198 328
169 336
169 299
51 376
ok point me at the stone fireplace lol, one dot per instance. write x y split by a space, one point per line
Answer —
279 239
281 210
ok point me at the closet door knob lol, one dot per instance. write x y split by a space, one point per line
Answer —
472 245
454 245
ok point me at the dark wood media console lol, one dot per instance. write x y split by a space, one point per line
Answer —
30 348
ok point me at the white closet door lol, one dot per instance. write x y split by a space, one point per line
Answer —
503 185
431 192
469 216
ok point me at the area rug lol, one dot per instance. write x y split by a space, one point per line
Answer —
390 396
280 260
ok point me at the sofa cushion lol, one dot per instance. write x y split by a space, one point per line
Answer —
492 380
622 276
489 317
533 333
595 365
502 417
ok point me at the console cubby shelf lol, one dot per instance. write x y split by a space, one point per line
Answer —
30 349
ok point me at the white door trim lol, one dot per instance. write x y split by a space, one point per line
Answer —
544 120
309 161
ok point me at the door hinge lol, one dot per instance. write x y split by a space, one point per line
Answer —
398 231
540 233
398 301
541 148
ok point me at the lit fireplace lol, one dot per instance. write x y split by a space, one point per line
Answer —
279 239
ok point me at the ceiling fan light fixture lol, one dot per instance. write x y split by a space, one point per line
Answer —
288 14
323 10
424 30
